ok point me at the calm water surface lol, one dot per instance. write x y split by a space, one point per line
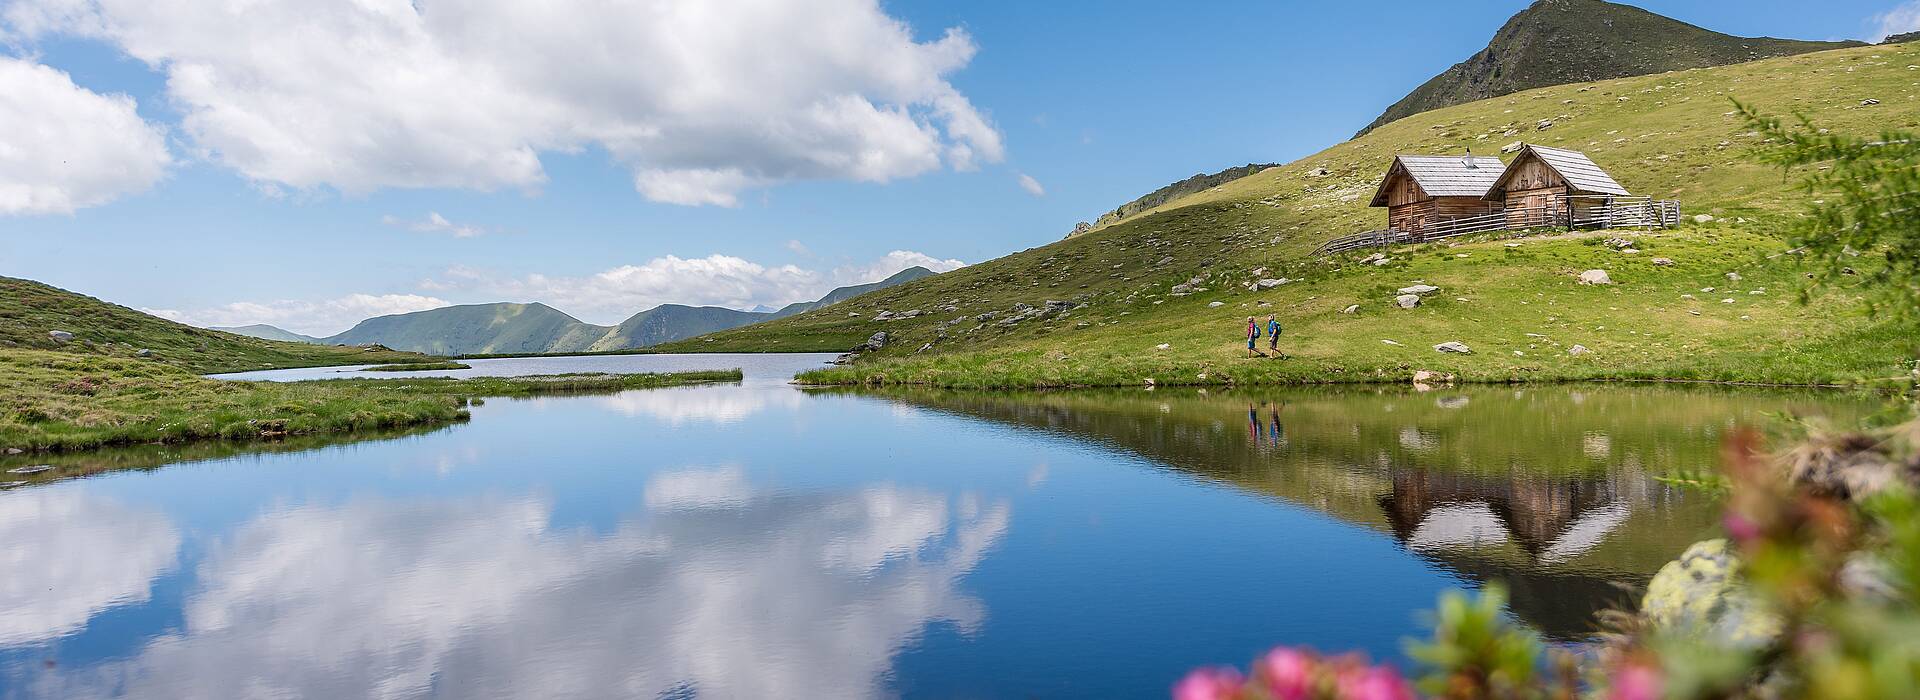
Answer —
757 540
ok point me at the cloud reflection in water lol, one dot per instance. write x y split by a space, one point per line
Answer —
719 587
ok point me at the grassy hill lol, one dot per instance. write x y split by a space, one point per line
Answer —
1192 185
477 328
266 332
672 322
30 311
1555 42
1671 135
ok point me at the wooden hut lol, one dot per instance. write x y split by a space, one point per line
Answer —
1546 186
1420 191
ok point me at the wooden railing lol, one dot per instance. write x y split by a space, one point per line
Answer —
1582 211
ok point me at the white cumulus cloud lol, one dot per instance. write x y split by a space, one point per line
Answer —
891 263
1032 186
315 318
700 99
64 147
1899 20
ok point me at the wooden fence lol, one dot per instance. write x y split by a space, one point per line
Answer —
1571 212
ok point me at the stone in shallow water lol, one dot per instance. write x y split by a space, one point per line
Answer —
35 469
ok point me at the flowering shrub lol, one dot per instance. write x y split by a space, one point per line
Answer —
1293 673
1815 594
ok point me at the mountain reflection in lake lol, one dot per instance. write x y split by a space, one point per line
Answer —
758 540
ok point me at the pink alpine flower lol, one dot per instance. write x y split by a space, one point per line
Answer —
1289 673
1373 683
1219 683
1634 681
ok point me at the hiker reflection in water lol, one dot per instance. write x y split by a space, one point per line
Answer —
1253 424
1276 435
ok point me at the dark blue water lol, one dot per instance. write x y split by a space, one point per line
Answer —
761 541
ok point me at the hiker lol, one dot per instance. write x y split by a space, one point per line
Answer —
1273 336
1253 334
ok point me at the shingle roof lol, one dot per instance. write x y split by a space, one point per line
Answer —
1579 170
1444 176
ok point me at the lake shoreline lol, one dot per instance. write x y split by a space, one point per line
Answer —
62 402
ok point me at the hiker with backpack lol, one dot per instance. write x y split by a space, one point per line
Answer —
1253 334
1273 336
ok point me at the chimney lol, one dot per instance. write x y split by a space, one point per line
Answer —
1469 160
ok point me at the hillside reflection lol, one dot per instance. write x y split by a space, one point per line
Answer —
1551 491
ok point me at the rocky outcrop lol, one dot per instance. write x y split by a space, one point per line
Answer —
1701 594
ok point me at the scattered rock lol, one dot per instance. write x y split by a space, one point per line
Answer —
1080 228
1148 381
1426 377
924 348
1374 258
1419 289
11 484
874 342
1595 277
35 469
1407 301
1215 304
1162 346
1703 218
143 352
1663 262
1259 272
1512 147
14 450
1389 342
1164 261
1382 261
1544 125
1351 309
60 336
1319 172
1454 346
1578 350
1701 593
1869 102
1735 276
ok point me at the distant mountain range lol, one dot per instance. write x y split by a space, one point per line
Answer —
1556 42
266 332
503 327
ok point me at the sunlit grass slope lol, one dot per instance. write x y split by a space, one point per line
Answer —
1520 309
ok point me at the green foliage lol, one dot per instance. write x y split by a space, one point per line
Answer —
1865 203
1476 650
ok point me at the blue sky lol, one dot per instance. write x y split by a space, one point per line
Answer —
287 191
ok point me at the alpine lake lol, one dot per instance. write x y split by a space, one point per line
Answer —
765 540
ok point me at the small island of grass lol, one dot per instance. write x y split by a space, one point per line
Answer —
418 367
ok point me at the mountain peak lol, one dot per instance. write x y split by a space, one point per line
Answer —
1555 42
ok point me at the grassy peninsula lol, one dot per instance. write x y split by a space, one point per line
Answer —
79 373
1164 294
58 401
